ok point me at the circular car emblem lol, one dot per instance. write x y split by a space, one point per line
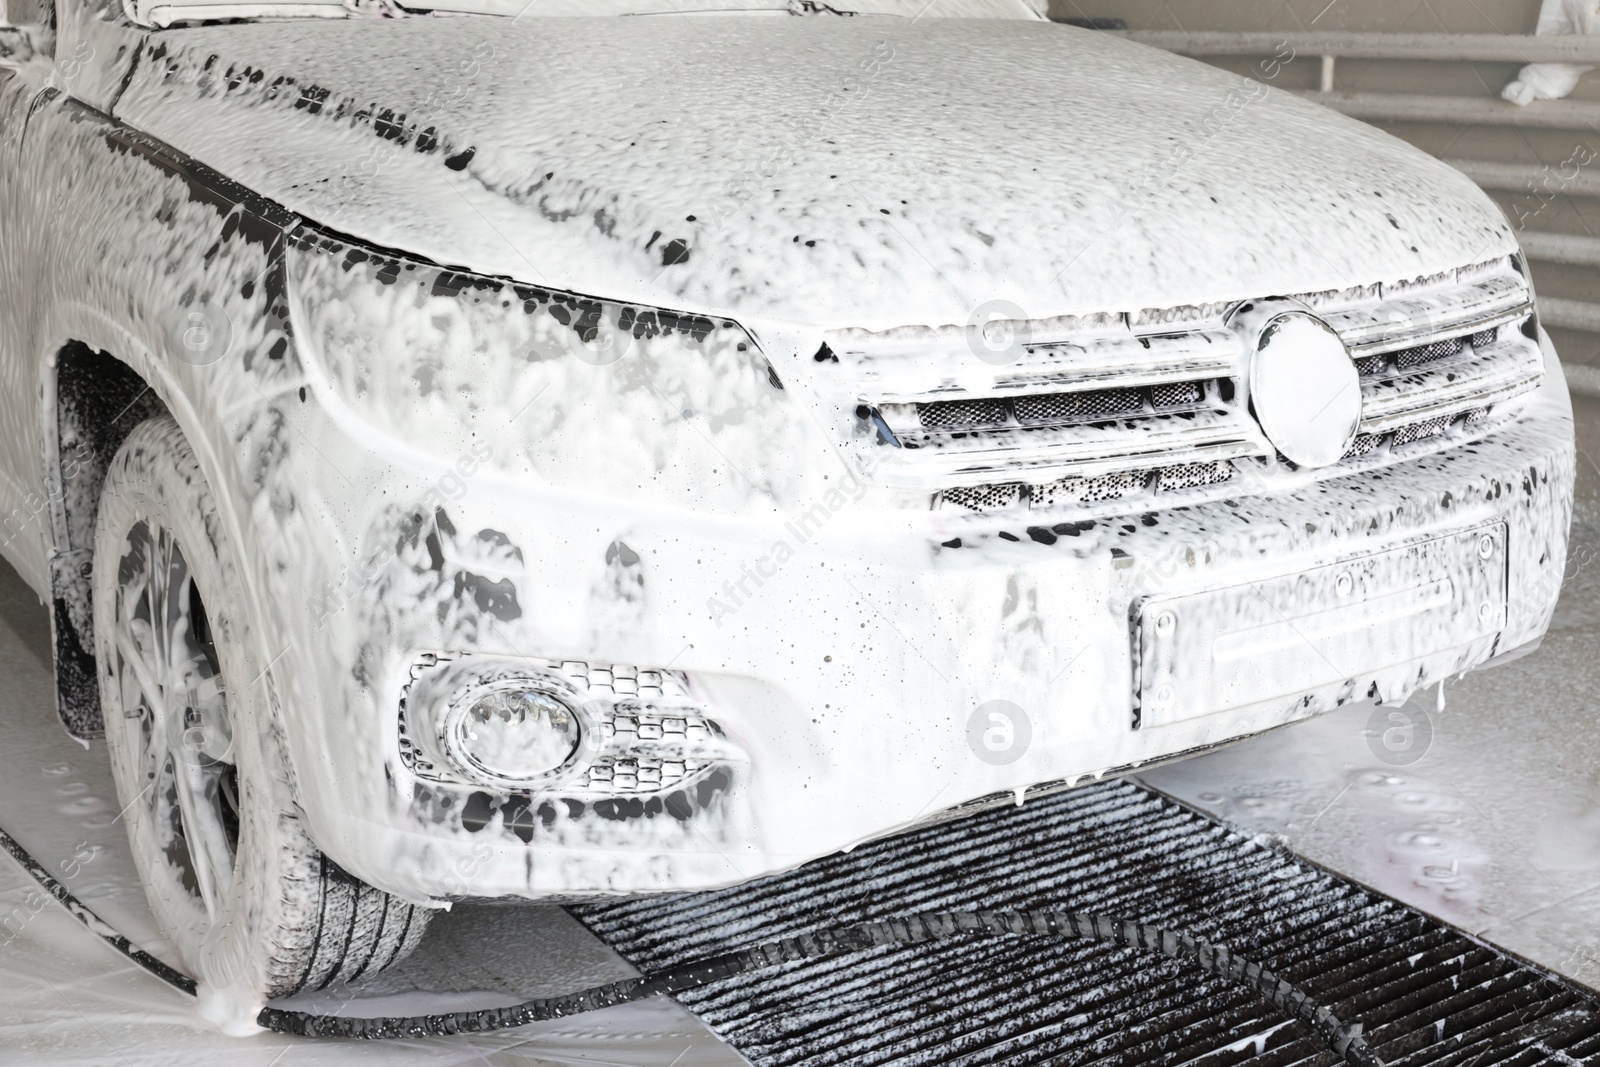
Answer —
1304 388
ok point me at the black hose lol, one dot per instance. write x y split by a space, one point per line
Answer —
1343 1038
97 925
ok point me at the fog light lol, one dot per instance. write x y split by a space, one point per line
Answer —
499 723
512 732
569 728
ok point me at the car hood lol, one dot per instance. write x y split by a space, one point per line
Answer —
869 172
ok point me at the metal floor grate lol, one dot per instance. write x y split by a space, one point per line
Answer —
1426 993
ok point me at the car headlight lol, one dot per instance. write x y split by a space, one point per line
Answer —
589 395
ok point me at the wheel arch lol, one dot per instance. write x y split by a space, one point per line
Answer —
98 382
92 400
106 347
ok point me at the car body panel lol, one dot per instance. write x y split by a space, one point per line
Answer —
844 642
738 164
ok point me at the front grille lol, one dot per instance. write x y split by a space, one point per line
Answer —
1410 358
1416 357
1175 396
1367 443
1099 410
1070 407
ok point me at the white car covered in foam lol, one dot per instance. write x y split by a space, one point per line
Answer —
545 451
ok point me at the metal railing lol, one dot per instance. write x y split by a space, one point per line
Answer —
1493 47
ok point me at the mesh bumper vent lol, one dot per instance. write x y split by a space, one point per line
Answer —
1083 491
1058 409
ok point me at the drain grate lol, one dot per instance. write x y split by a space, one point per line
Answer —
1426 993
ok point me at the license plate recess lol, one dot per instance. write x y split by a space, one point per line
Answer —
1322 636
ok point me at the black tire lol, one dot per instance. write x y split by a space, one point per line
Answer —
253 908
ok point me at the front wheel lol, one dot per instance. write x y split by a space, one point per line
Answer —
254 910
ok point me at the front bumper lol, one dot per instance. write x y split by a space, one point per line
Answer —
853 658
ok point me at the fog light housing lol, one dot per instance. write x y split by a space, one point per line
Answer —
586 732
502 724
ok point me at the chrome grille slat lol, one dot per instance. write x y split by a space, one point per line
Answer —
1451 385
1064 382
1061 451
946 369
1421 316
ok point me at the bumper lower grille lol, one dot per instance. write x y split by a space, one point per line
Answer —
1193 475
1089 490
1420 431
1426 994
1098 489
